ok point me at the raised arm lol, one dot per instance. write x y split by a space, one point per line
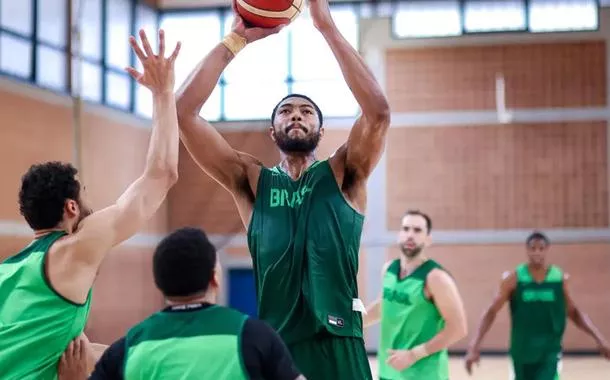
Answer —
76 259
444 292
367 138
582 320
207 147
507 286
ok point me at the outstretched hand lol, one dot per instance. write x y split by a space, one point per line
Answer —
251 34
158 75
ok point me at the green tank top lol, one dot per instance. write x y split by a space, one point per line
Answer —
408 319
36 323
304 239
187 343
538 313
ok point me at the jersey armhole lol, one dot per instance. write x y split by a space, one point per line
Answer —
47 281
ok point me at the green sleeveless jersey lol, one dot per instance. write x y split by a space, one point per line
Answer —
538 314
304 239
191 343
408 319
36 323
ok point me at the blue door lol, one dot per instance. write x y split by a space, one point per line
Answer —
242 293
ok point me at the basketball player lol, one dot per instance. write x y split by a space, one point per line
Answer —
193 338
46 288
304 216
540 302
420 310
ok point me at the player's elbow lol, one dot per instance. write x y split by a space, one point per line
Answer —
380 114
163 171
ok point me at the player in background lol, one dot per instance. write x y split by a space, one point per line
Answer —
420 309
540 304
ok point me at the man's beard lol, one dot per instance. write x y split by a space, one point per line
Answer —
289 144
411 253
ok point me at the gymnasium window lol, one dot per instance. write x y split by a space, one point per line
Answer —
146 18
198 32
314 69
117 53
563 15
16 38
494 15
51 30
427 19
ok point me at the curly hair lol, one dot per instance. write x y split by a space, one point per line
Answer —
184 263
44 191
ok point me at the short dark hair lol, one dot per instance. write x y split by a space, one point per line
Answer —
423 215
44 191
537 235
320 117
184 262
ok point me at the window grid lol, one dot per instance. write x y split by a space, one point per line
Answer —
34 42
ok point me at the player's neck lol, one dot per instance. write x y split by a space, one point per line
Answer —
40 233
538 268
295 164
208 297
409 264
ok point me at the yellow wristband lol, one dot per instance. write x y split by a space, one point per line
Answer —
234 42
419 351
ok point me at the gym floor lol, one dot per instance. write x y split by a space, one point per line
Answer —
498 368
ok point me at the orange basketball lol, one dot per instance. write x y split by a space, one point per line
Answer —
268 13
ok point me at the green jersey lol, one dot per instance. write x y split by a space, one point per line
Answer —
538 314
186 342
304 239
36 323
408 319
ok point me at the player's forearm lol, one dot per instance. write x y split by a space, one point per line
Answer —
484 326
373 314
449 335
162 158
198 87
357 75
583 322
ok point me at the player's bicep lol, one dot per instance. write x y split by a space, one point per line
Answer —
365 145
447 299
507 286
571 307
212 152
111 226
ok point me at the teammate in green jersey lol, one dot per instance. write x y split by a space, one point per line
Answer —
304 217
420 309
46 288
540 303
193 338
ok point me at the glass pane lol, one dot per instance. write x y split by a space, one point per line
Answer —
333 97
91 20
16 15
146 19
51 68
427 19
264 59
562 15
89 77
198 32
15 56
118 13
52 21
494 15
144 105
245 101
117 90
311 56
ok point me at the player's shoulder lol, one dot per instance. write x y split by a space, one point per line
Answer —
390 266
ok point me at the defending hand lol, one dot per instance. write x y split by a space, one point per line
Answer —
158 75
